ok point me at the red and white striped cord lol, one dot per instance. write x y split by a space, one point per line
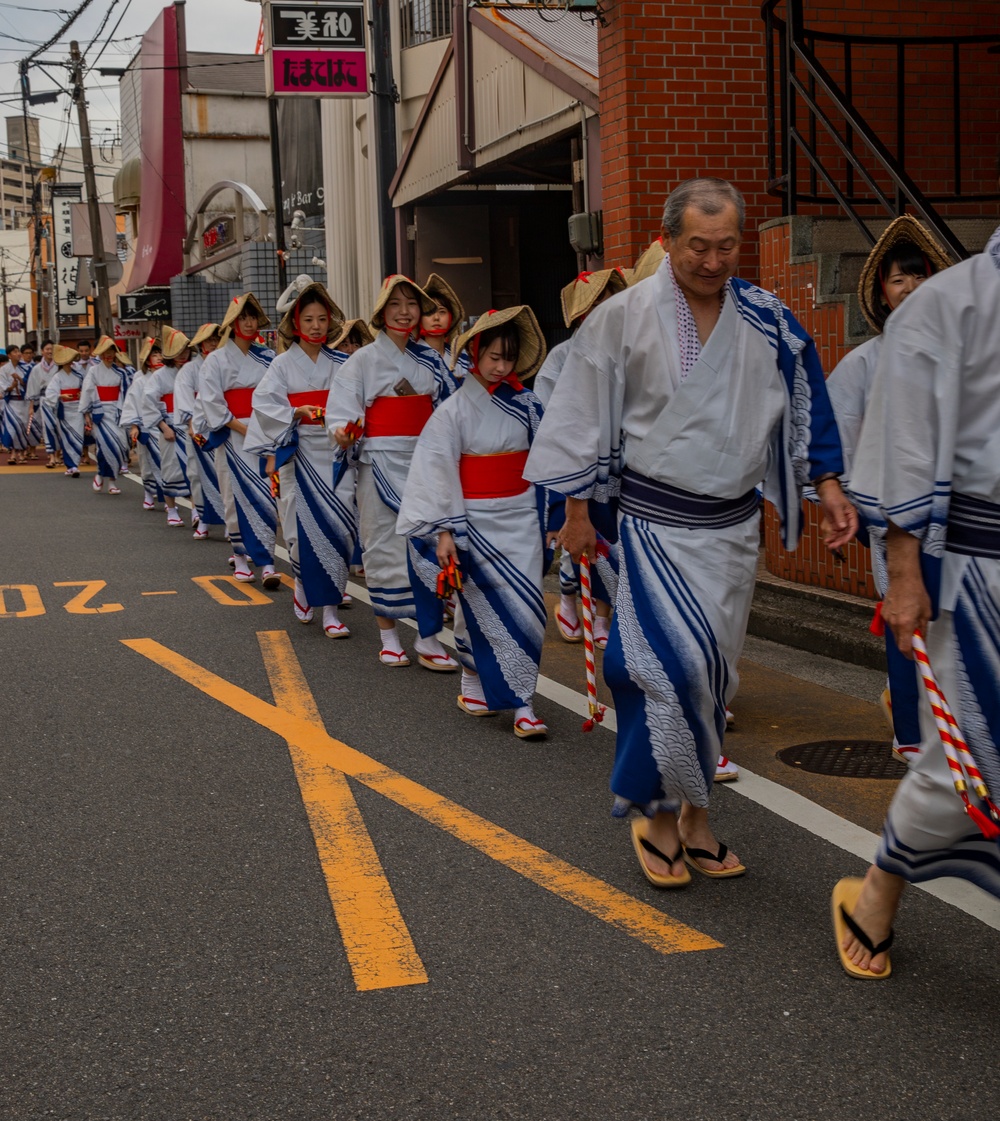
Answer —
596 709
960 760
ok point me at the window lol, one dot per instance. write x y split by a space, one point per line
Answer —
425 20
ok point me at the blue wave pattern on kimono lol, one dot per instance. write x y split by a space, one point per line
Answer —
13 429
669 727
256 510
327 531
211 510
72 437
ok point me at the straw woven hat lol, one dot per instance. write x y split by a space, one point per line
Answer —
441 292
904 228
648 262
173 343
204 333
104 343
389 286
358 325
286 328
580 295
63 355
148 344
236 308
532 350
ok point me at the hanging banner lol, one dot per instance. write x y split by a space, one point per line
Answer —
66 262
316 49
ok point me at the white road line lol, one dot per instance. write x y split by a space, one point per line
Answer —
787 804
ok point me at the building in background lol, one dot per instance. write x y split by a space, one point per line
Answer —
23 148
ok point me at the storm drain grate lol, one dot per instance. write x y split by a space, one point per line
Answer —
845 759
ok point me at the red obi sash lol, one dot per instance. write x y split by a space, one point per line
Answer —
315 399
109 392
168 402
398 416
493 476
239 402
69 395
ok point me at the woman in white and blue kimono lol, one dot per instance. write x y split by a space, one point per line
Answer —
288 426
159 419
902 259
14 433
578 300
41 374
101 398
62 400
440 328
150 361
467 507
206 490
227 380
382 397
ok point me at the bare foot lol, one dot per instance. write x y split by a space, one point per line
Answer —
874 912
661 831
696 834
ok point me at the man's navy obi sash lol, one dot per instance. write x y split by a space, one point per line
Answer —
645 498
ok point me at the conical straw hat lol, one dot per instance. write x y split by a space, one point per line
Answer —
580 295
648 262
531 353
286 329
147 349
105 343
440 291
358 325
63 355
390 284
173 343
235 310
904 228
204 333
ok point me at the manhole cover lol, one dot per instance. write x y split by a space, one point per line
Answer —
845 759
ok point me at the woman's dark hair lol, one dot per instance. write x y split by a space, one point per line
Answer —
354 337
408 291
509 336
908 258
311 298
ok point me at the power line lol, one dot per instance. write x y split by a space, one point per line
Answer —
59 34
113 30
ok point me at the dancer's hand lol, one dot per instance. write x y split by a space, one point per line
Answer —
907 606
840 519
446 548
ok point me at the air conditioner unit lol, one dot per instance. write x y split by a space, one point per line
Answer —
585 233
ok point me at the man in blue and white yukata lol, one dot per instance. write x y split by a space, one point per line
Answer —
927 479
678 396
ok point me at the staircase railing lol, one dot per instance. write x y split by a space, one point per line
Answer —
821 147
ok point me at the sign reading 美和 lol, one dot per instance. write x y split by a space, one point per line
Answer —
316 49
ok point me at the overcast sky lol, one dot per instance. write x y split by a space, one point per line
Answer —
230 25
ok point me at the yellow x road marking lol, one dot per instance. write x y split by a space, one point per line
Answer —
376 939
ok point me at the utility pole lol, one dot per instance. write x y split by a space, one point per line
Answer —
103 302
36 207
3 288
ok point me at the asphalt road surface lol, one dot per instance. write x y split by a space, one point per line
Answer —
250 874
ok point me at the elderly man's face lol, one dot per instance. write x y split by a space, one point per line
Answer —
706 252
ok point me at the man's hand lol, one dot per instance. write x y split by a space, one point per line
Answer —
578 535
907 605
840 520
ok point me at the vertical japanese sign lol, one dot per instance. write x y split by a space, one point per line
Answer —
316 49
66 265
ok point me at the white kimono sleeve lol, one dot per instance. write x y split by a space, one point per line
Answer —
89 397
151 409
211 391
432 499
272 423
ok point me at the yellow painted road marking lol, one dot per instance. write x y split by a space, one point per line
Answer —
218 587
158 593
30 597
78 604
647 924
56 472
376 939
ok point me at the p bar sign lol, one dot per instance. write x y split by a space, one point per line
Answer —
316 49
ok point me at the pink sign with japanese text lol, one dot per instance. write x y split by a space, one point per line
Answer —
319 72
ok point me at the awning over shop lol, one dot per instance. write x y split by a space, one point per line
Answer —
531 82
